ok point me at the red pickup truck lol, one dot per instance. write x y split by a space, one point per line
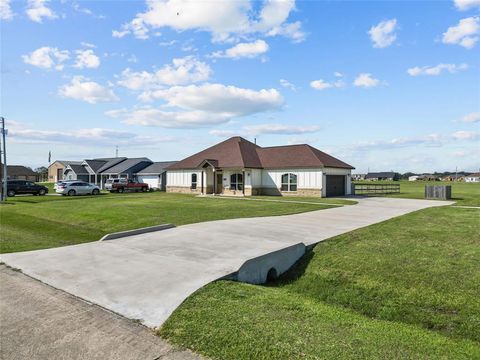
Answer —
122 185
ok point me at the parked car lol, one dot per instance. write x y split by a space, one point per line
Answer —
15 187
77 188
62 182
122 185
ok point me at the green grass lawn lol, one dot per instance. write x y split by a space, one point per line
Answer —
463 193
406 288
37 222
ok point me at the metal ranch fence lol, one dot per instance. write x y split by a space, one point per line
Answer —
375 189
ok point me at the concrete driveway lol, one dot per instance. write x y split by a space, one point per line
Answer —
146 277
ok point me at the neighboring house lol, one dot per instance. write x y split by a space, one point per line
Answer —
238 167
57 168
76 172
19 172
413 178
428 177
377 176
124 169
358 177
95 167
155 175
473 178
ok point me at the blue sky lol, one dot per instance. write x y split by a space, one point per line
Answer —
382 85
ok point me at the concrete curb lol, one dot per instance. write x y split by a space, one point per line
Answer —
139 231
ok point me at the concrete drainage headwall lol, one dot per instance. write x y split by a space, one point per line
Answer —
258 270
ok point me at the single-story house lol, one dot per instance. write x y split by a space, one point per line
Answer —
125 169
76 172
155 175
239 167
452 177
57 169
475 177
428 177
413 178
377 176
18 172
96 166
358 177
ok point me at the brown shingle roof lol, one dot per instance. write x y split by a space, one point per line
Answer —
235 152
238 152
298 156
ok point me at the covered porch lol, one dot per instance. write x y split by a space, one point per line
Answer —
217 181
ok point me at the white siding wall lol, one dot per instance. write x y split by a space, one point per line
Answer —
183 178
306 178
153 181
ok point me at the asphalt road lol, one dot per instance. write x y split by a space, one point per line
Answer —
40 322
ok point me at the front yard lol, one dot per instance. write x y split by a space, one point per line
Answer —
406 288
33 222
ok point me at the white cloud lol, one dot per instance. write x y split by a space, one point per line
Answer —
86 11
383 34
432 140
248 50
182 71
195 106
6 12
465 33
288 85
168 119
466 135
366 80
47 57
88 45
463 5
120 34
86 59
83 89
221 99
88 136
37 11
472 117
223 19
322 84
436 70
266 129
280 129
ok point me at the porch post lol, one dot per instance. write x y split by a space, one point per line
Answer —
202 181
243 178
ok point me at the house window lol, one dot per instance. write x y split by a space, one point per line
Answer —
289 182
194 181
236 182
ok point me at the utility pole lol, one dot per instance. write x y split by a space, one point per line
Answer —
4 152
116 151
456 173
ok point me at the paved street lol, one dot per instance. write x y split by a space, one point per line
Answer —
39 322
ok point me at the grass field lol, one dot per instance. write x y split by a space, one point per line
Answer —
406 288
34 222
462 193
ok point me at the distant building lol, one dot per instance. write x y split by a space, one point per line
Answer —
473 178
377 176
428 177
19 172
413 178
358 177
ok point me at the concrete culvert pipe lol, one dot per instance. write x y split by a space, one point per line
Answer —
272 275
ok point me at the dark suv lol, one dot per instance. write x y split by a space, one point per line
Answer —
15 187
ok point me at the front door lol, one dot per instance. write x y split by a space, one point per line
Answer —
219 183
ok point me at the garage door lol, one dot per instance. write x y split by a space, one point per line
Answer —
335 185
